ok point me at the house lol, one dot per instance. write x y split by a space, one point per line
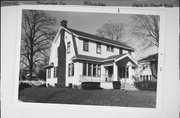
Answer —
144 72
78 57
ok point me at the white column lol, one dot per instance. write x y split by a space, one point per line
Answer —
115 69
130 71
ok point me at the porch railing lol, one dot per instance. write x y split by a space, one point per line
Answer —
101 78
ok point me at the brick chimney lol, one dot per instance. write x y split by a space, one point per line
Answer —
64 23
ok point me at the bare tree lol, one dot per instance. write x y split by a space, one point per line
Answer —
37 35
114 31
147 28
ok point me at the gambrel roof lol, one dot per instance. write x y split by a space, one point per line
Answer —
83 35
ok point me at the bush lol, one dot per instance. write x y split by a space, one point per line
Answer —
146 85
116 84
23 86
42 85
90 85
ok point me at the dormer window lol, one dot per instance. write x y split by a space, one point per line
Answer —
120 51
68 47
98 48
110 48
85 46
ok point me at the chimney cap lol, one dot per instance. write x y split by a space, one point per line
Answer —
64 23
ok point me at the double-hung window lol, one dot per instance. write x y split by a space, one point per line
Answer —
49 73
68 47
55 72
71 69
85 46
110 48
98 48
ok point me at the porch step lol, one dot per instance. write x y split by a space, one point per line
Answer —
106 85
128 86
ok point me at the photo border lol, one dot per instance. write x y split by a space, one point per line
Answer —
93 9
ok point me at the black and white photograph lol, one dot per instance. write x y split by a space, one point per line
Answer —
79 58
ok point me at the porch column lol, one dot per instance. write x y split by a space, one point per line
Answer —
115 72
130 71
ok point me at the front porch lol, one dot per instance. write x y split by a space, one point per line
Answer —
120 69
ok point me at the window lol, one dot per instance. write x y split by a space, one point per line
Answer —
71 69
127 72
99 71
49 73
143 77
55 72
98 48
147 77
89 69
110 48
120 51
94 69
85 46
129 52
68 47
72 74
84 69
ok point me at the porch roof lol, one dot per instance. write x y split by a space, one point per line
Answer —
115 58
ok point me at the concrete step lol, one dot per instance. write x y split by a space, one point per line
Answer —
128 86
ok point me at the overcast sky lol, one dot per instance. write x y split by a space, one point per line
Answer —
90 22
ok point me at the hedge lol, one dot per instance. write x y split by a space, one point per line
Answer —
23 86
90 85
146 85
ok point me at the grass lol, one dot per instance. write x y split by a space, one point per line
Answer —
89 97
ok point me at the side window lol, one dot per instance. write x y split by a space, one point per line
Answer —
71 69
68 47
49 73
55 72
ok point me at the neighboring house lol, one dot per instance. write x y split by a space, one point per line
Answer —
78 57
144 72
24 74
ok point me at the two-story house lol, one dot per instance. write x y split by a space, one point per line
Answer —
143 71
78 57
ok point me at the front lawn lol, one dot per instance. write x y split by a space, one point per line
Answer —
89 97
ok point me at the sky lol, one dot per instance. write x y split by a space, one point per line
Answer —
90 22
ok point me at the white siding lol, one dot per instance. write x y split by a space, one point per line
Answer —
68 38
53 59
92 50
